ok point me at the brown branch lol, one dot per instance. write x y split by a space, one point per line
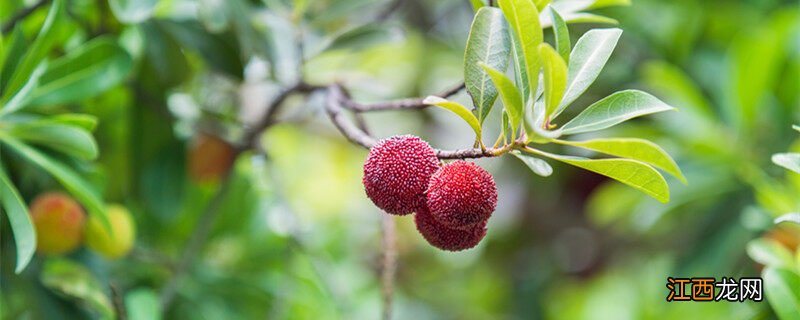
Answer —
389 265
338 100
252 134
22 15
412 103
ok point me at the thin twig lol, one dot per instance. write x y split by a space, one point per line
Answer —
337 101
412 103
389 265
252 134
22 15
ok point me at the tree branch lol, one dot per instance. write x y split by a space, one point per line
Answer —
389 265
252 134
22 15
337 101
413 103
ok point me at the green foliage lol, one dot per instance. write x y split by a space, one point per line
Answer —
488 43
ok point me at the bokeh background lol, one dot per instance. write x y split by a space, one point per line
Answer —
296 237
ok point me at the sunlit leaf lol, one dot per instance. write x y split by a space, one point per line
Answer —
459 110
782 291
523 17
587 59
631 172
769 253
488 43
477 4
561 33
20 221
23 96
789 161
512 102
618 107
636 149
789 217
538 166
555 78
75 281
83 73
540 4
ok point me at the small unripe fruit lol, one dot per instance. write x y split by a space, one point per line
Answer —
446 238
461 195
117 243
59 223
210 158
397 171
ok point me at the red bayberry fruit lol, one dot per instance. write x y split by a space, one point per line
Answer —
446 238
461 195
397 171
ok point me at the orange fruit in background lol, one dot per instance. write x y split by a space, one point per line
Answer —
59 222
210 158
119 241
787 234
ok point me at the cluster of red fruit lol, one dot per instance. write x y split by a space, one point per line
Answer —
452 202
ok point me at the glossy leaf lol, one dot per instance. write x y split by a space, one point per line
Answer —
23 96
488 43
20 221
789 161
459 110
789 217
132 11
634 173
796 127
579 17
37 51
587 59
68 178
67 139
523 18
769 253
84 73
14 51
782 291
561 33
616 108
540 4
631 148
512 101
77 282
85 121
555 78
538 166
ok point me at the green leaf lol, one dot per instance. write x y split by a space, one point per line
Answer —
23 96
538 166
85 121
616 108
789 161
37 52
555 78
769 253
636 149
84 73
67 139
789 217
523 18
796 127
561 33
132 11
220 53
506 127
477 4
14 51
634 173
512 102
608 3
459 110
489 43
590 54
76 281
68 178
782 291
143 304
20 221
540 4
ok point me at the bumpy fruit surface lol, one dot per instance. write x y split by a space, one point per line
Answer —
397 171
461 195
210 158
117 243
59 223
446 238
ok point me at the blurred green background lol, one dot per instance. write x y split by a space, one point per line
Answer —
296 238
